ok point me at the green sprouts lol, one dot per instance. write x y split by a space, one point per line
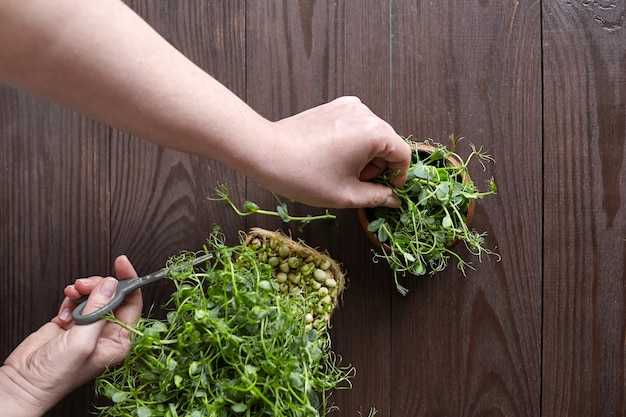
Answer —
417 238
222 193
231 345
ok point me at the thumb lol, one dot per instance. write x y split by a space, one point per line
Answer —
370 194
82 340
102 293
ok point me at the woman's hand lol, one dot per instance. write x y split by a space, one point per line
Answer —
128 76
61 355
325 156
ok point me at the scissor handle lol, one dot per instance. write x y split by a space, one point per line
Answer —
124 287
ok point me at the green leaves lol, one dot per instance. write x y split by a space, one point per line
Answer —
249 207
230 346
419 235
144 411
117 396
239 408
442 192
424 172
380 228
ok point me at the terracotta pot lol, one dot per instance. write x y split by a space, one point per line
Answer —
365 213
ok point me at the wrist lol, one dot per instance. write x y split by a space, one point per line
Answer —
17 396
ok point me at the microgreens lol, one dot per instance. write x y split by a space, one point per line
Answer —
231 345
417 237
223 193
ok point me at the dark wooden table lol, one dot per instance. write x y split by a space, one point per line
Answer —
540 85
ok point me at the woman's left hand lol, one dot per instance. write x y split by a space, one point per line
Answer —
62 355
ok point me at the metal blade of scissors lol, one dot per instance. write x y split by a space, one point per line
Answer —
125 287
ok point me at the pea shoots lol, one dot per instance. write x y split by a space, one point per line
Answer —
234 343
249 207
417 238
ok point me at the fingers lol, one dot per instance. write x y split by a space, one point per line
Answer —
395 156
342 143
369 194
390 152
93 287
399 161
81 287
102 293
373 169
123 268
131 308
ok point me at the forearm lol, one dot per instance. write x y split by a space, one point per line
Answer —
99 58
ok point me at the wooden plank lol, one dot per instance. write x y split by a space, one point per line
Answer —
585 133
301 54
160 202
55 210
68 178
471 345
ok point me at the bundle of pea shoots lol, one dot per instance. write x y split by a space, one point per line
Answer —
246 334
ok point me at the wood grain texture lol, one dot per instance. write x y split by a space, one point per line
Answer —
585 133
471 345
76 194
160 198
301 54
55 211
539 85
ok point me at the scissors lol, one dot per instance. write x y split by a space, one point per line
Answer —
125 287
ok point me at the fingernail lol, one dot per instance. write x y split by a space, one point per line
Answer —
392 201
108 287
64 315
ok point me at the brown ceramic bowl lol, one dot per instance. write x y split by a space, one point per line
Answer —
364 213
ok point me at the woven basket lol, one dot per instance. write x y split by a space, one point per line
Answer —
274 239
